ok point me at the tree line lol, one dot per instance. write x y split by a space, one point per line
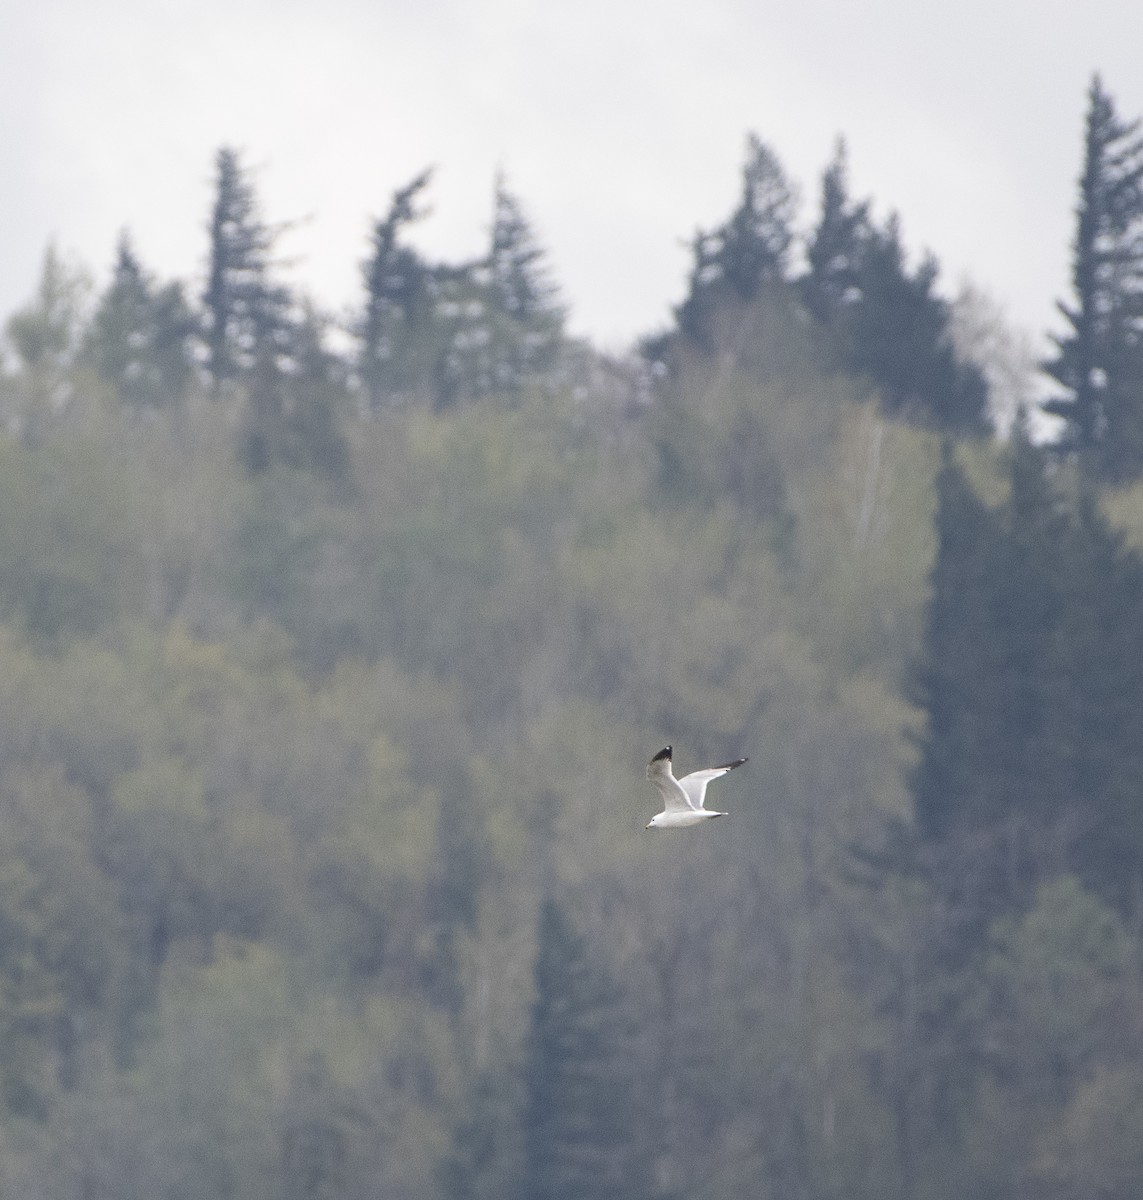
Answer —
305 643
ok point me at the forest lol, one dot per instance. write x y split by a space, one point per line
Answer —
333 650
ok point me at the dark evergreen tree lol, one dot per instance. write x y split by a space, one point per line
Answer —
577 1124
247 323
259 338
399 300
295 416
518 283
1098 721
896 332
753 247
502 321
834 248
139 338
1099 360
956 657
733 263
525 316
1032 686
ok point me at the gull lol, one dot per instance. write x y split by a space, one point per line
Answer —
683 798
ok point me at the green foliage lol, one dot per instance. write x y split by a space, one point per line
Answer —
46 332
46 335
63 954
298 742
69 559
1057 978
1054 991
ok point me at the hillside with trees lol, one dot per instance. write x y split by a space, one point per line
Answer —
332 652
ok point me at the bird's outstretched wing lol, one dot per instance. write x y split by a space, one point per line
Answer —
659 772
694 784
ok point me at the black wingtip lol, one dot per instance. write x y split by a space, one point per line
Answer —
665 753
729 766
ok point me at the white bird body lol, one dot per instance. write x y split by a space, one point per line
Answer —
683 798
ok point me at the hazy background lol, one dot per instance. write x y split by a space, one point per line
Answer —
330 666
621 128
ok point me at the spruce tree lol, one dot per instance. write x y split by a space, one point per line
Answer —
992 686
139 338
294 417
753 247
398 302
834 248
1031 681
518 282
896 332
526 318
246 313
749 252
577 1124
957 657
1099 360
1098 652
502 320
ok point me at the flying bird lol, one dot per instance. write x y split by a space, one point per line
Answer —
683 798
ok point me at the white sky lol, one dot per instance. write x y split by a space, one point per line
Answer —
621 125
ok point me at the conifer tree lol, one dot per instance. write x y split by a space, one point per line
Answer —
526 317
753 247
834 248
1032 686
749 252
577 1124
896 331
955 656
518 282
294 417
1098 719
1099 360
246 314
139 337
502 318
398 302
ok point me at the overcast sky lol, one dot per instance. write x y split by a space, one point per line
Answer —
620 124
